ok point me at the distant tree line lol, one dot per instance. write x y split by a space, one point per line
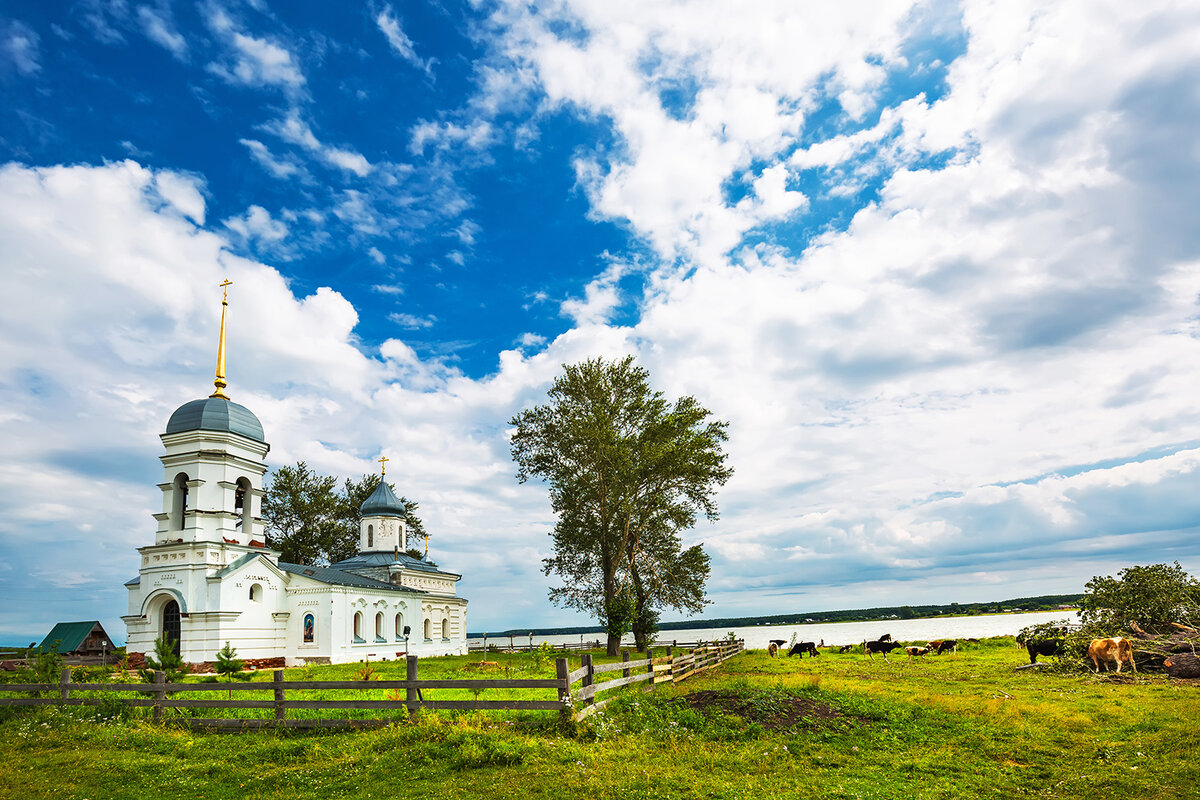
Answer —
1046 602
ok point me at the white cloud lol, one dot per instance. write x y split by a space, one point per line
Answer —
411 321
399 41
19 48
278 167
159 26
257 225
254 62
294 130
988 370
183 193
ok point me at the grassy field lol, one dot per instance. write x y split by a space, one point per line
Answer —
965 725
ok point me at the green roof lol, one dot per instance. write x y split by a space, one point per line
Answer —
67 637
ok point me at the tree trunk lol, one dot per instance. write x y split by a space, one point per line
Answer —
614 645
1183 665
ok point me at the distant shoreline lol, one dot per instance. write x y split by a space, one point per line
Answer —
1019 605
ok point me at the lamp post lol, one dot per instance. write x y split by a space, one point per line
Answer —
104 652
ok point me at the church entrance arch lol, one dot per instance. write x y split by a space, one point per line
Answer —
170 623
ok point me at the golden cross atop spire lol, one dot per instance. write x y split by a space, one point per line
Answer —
219 382
383 465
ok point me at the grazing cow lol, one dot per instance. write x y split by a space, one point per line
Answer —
887 637
942 645
1115 649
916 651
846 648
773 650
1044 647
879 646
800 648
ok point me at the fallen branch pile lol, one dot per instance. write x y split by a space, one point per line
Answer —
1176 651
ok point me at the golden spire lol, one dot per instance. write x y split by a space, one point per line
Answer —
219 382
383 465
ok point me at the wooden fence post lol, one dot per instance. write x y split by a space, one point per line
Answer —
625 657
562 671
411 696
64 685
650 668
588 676
280 709
160 694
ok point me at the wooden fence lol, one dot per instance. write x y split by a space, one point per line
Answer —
582 701
504 645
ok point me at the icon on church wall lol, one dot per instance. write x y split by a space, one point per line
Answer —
308 627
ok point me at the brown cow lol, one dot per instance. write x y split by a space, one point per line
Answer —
1115 649
916 651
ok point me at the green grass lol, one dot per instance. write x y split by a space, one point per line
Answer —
966 725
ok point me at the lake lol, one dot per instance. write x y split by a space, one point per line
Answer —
838 633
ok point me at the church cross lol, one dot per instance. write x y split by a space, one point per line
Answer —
225 287
383 465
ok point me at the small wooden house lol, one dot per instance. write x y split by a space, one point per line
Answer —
81 639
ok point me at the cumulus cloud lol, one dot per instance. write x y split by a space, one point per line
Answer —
980 375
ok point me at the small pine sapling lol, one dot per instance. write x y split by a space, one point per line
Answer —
228 664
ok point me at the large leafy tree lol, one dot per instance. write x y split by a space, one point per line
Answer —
628 472
1154 596
311 522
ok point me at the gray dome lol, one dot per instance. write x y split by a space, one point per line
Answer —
382 503
216 414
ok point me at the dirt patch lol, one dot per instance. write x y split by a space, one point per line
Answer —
777 714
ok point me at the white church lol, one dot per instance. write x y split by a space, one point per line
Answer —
210 578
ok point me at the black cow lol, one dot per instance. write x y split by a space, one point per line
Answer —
846 648
887 637
879 646
1044 647
800 648
942 645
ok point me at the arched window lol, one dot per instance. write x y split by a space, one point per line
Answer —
179 501
170 623
445 629
256 593
243 504
428 630
370 536
310 625
379 627
399 627
358 626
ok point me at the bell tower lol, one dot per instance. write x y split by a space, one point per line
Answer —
383 528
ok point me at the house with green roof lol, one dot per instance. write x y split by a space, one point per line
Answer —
78 639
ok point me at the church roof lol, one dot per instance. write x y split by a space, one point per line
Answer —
382 503
338 577
216 414
381 558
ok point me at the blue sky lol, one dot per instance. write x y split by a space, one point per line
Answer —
936 263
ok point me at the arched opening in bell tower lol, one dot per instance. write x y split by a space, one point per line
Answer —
179 501
242 504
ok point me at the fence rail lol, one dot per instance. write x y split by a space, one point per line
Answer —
581 700
503 646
